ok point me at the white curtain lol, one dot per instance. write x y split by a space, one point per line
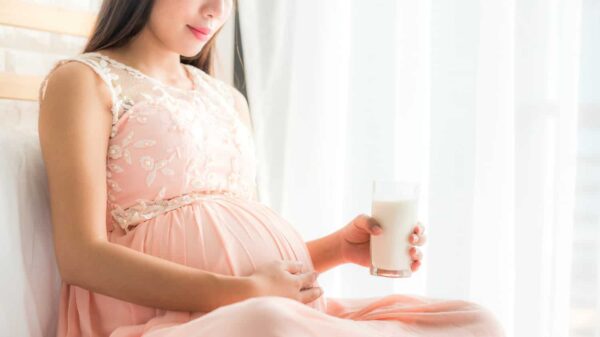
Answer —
475 99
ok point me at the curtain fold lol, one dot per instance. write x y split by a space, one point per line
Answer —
477 100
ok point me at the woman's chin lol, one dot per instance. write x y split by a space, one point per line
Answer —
191 49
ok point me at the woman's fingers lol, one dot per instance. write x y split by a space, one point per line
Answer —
418 237
307 279
310 294
415 265
292 266
370 224
415 253
419 228
418 240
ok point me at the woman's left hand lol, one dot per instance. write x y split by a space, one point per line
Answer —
355 241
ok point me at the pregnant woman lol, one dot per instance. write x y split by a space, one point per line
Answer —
157 228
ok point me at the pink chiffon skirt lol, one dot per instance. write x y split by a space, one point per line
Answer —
233 236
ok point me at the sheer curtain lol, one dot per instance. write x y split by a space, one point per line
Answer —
477 100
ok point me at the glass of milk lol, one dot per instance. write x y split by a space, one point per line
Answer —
394 206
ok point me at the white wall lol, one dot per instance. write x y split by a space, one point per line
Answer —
30 52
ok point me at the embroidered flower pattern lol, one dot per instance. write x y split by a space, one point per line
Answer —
146 210
150 164
116 151
176 146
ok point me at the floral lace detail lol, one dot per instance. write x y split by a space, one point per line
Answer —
170 146
117 151
152 165
145 210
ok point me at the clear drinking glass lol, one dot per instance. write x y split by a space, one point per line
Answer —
394 206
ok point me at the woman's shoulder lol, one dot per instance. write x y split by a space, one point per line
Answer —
77 72
67 75
72 89
73 97
87 60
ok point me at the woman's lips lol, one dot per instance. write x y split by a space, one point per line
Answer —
201 33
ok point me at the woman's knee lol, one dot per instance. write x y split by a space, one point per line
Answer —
270 307
269 316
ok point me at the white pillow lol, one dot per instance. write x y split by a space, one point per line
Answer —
30 281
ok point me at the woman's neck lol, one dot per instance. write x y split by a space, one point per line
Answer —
146 53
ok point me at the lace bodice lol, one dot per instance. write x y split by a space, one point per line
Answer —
169 146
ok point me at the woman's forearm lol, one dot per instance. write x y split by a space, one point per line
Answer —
132 276
325 253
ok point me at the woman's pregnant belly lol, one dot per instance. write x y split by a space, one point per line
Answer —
231 236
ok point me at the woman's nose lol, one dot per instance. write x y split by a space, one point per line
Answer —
213 9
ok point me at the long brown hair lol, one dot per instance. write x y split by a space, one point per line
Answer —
119 21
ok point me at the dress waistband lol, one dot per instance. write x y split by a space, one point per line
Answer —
145 210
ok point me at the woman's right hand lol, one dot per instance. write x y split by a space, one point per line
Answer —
284 278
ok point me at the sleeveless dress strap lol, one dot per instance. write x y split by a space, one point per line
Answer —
102 69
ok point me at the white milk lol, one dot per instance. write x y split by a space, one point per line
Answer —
390 249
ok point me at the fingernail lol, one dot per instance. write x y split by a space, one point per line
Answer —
377 229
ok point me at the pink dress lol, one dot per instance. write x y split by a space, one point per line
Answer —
180 178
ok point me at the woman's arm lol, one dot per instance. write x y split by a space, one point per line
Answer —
325 252
74 126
